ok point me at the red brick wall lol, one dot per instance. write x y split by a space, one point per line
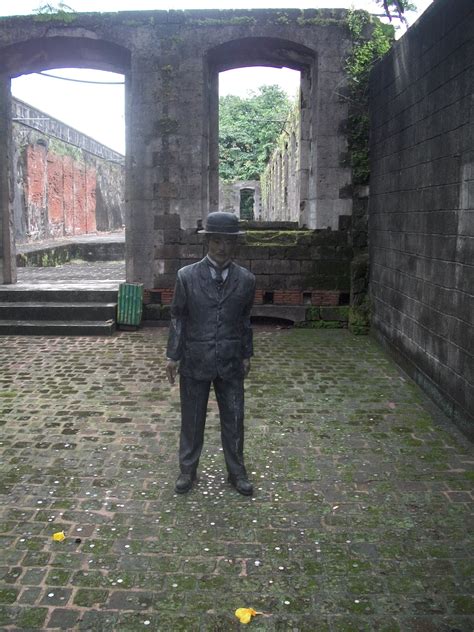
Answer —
280 297
60 194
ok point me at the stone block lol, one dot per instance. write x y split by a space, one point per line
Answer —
165 251
171 237
167 222
164 280
275 266
287 282
254 252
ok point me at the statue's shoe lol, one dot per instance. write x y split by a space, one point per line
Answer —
184 483
241 484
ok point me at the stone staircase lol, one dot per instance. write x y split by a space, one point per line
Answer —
53 312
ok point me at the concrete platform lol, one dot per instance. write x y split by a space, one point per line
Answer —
83 275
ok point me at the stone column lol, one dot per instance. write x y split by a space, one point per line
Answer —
331 195
211 168
307 212
168 188
7 231
138 183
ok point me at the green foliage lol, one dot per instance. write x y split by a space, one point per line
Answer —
61 148
371 40
62 12
246 204
249 129
359 318
399 6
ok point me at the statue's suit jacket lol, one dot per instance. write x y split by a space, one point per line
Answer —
210 330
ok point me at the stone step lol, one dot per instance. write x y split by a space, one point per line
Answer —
56 328
14 294
52 310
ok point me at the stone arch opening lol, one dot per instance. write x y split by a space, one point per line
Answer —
247 203
35 55
270 52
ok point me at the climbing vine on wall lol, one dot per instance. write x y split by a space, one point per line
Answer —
371 39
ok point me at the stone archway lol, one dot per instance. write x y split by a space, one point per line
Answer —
171 62
273 52
35 55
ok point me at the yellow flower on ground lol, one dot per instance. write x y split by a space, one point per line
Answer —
244 615
59 536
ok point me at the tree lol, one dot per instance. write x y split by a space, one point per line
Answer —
399 6
248 131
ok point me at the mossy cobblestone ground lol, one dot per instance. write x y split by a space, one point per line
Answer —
360 519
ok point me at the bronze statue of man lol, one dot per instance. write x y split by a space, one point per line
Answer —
210 342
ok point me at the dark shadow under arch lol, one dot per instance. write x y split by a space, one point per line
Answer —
260 51
44 53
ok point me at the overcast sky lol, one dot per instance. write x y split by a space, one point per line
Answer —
97 110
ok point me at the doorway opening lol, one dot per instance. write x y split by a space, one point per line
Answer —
68 127
247 203
258 105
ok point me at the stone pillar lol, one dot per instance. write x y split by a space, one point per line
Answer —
332 179
211 170
307 212
7 243
168 188
139 218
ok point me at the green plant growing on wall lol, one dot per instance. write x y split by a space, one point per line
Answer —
62 12
371 40
61 148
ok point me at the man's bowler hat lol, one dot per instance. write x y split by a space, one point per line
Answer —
220 223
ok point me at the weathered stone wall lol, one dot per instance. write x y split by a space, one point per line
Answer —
229 196
64 187
171 60
281 179
292 267
421 228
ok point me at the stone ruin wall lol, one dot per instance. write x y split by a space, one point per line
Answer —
229 196
293 268
171 60
66 183
280 181
421 209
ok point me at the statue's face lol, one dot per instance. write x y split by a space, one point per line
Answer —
221 248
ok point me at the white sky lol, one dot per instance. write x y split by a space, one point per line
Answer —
99 110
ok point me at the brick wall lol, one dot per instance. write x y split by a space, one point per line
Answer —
62 188
421 204
59 194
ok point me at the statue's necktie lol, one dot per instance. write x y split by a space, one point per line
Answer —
218 278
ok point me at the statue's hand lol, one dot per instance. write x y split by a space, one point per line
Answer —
171 370
246 364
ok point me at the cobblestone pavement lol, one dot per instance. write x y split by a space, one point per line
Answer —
360 519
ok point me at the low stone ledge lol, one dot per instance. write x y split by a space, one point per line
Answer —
53 255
